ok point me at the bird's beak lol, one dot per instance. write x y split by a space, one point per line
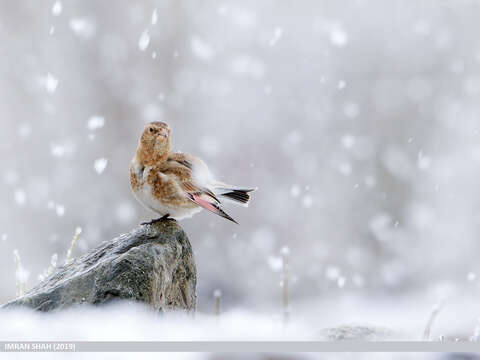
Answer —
164 133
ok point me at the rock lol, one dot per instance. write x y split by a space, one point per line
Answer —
153 264
358 332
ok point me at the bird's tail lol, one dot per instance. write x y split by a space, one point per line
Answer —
237 195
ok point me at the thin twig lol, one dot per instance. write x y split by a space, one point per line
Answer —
433 316
286 306
217 294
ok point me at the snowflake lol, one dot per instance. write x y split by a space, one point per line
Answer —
57 8
144 40
95 122
154 17
100 164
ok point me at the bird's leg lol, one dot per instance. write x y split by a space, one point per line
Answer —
153 221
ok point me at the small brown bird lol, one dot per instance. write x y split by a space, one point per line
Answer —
174 184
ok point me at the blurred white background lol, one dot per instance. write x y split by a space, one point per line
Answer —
358 121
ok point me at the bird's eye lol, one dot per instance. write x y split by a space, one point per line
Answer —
151 129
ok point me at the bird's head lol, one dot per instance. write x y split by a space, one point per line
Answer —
155 141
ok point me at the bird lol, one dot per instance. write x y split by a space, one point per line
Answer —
174 184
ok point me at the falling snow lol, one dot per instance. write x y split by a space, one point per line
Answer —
100 165
307 201
25 130
277 34
144 40
275 263
49 82
20 196
202 49
95 122
351 110
60 210
285 250
154 17
57 8
348 141
338 37
295 190
82 27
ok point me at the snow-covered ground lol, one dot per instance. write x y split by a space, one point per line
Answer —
406 316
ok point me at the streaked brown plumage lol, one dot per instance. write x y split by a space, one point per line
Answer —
176 184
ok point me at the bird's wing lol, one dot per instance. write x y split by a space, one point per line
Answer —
182 167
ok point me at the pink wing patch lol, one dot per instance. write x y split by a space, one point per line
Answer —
210 207
204 203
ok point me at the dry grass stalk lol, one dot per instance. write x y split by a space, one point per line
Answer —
78 231
428 328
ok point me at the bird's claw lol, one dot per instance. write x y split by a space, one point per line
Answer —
163 218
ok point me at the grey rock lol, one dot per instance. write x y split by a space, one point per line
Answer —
153 264
358 332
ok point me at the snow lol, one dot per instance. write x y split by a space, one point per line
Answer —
285 251
154 17
423 161
82 27
21 274
57 150
348 141
25 130
57 8
49 82
307 201
144 40
380 226
345 168
20 196
295 190
247 65
201 48
275 263
100 165
398 163
95 122
277 34
135 323
338 37
332 273
351 109
64 148
60 210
